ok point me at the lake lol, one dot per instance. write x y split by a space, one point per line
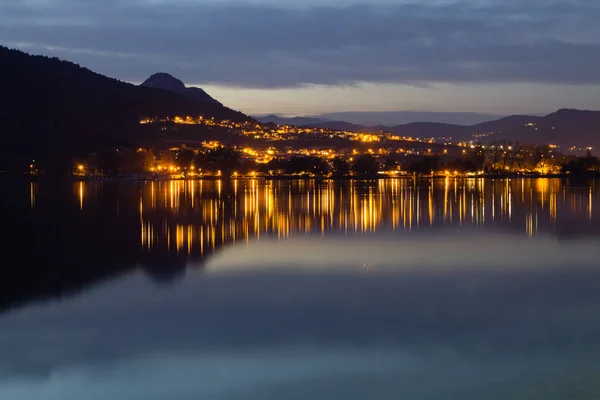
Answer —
254 289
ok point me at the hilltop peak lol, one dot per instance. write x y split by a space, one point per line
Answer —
572 111
164 81
565 111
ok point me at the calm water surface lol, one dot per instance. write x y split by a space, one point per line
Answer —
445 289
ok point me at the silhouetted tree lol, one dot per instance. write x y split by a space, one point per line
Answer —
111 162
477 158
390 164
145 160
167 157
515 156
425 167
308 164
366 166
224 159
185 158
494 157
274 167
460 166
341 167
582 166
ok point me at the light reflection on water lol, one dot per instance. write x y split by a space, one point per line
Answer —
460 289
196 215
253 208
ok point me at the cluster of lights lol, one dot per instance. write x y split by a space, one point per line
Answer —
200 120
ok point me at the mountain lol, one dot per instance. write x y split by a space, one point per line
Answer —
394 118
504 124
164 81
566 128
54 109
464 133
431 130
427 129
295 121
315 123
344 126
382 118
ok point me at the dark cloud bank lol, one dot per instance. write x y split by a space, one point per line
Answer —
254 45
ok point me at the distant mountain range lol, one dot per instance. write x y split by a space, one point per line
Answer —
295 121
565 128
386 118
55 108
394 118
415 129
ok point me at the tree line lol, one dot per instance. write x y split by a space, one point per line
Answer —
227 161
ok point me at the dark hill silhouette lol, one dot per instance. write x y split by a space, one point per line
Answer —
343 126
414 129
295 121
164 81
438 129
53 109
565 128
395 118
504 124
431 130
316 123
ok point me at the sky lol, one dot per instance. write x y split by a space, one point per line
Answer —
308 57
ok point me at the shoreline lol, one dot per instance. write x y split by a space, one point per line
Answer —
592 176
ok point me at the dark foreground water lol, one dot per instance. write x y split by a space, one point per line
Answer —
446 289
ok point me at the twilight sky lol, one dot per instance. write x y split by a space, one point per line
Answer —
309 56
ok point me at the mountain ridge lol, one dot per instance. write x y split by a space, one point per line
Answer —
394 118
54 108
565 128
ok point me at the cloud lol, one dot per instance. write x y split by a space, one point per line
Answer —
267 45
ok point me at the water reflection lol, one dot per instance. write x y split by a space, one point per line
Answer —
354 321
165 226
195 216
